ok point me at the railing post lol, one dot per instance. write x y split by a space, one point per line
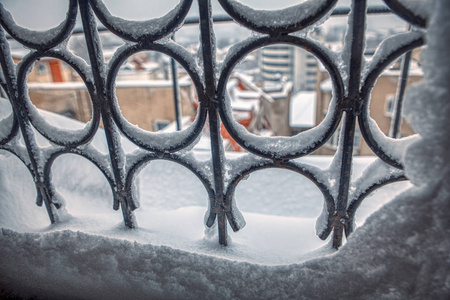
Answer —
398 103
351 107
213 114
116 153
176 93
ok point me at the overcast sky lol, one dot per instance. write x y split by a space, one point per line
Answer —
43 14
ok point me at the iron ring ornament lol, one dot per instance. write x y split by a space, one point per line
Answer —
273 147
374 138
72 138
306 170
40 40
10 121
12 128
401 9
91 156
157 142
144 158
281 21
142 31
6 83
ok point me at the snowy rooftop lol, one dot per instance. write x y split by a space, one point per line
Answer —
77 85
326 85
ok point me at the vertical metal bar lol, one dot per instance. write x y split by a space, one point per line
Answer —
213 113
398 104
176 92
357 48
112 135
3 93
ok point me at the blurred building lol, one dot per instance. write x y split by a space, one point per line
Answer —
285 62
143 89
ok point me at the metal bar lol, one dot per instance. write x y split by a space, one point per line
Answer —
353 101
213 113
339 11
112 136
398 104
176 92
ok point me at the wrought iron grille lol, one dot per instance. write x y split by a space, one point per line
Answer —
351 100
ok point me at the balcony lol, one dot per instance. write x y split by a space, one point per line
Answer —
29 140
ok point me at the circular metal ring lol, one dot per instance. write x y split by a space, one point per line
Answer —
40 40
159 141
149 30
300 168
281 147
11 123
67 138
93 158
145 159
375 139
406 14
281 21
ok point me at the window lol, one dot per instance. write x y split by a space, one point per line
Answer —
333 142
41 68
160 124
389 105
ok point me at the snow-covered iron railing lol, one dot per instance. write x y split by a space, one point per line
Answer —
352 84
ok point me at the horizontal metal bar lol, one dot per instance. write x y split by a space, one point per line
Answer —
339 11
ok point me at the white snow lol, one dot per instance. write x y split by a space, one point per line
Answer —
279 18
138 29
6 118
74 85
326 85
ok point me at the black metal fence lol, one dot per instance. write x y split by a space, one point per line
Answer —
350 103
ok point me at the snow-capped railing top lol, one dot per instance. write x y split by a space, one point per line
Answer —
351 77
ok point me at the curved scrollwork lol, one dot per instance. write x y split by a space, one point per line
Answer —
40 40
381 145
159 142
11 123
412 17
283 21
142 31
281 147
54 134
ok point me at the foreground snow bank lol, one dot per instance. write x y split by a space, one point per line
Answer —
402 250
